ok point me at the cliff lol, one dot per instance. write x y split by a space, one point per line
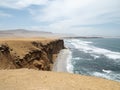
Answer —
29 53
40 53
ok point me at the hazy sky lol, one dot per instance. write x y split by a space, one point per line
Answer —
83 17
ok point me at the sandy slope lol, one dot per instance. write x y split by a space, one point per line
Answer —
24 79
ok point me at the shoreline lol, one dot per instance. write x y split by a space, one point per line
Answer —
60 64
56 79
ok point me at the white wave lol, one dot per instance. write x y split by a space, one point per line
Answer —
77 58
95 56
63 61
88 42
108 75
98 74
87 48
106 71
69 62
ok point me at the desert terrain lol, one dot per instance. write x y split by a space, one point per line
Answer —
26 64
29 79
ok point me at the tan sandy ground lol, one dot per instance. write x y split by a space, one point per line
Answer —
21 46
24 79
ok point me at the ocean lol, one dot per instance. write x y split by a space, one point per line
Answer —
98 57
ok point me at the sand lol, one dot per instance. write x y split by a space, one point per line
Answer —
37 53
60 64
24 79
29 79
21 46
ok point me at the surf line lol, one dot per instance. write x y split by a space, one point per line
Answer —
63 61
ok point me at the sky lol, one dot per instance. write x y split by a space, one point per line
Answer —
80 17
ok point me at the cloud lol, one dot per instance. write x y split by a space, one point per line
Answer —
73 15
78 12
19 4
3 14
78 16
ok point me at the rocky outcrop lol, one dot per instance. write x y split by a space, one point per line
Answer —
29 54
5 57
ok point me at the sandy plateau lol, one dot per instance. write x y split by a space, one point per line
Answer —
26 64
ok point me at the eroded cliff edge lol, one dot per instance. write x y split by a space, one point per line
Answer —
32 53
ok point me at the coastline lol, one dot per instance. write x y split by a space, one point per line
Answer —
32 53
60 64
42 80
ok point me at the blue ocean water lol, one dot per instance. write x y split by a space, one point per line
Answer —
95 57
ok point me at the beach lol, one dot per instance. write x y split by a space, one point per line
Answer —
43 65
60 64
59 44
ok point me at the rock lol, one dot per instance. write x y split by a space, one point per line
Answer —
33 54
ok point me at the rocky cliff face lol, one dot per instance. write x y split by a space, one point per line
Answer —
29 54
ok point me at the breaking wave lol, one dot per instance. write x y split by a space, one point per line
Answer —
86 59
63 62
94 51
108 75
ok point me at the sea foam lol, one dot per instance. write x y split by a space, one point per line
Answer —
69 62
87 47
63 62
108 74
96 54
